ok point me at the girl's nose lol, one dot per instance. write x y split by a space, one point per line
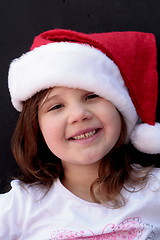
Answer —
78 113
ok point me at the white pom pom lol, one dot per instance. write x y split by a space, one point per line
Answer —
146 138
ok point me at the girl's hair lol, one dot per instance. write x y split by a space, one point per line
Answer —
36 161
39 165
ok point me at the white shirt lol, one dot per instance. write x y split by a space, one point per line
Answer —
27 213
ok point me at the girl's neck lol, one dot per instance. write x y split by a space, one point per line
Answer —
78 180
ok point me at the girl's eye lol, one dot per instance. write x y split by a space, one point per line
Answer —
91 96
55 107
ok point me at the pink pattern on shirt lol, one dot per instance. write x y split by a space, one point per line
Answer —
130 229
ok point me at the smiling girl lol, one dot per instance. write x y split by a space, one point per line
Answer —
82 98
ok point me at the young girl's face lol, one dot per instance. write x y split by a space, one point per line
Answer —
79 127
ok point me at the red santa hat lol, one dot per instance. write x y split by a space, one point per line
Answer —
119 66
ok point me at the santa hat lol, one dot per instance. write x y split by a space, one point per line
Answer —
119 66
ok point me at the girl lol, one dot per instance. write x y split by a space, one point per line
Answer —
82 98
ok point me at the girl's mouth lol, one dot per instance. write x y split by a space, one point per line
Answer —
85 135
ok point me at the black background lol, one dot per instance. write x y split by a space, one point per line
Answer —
21 20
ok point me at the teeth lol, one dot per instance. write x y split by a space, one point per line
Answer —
85 135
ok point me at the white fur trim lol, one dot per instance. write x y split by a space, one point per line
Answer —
70 65
146 138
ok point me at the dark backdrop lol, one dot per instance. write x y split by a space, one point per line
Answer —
21 20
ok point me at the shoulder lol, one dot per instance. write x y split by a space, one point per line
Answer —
156 172
151 189
16 205
15 196
19 196
154 180
17 188
12 207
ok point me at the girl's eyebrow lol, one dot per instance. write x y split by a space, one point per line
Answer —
51 97
48 99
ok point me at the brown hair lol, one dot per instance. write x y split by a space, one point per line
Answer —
117 173
39 165
35 160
